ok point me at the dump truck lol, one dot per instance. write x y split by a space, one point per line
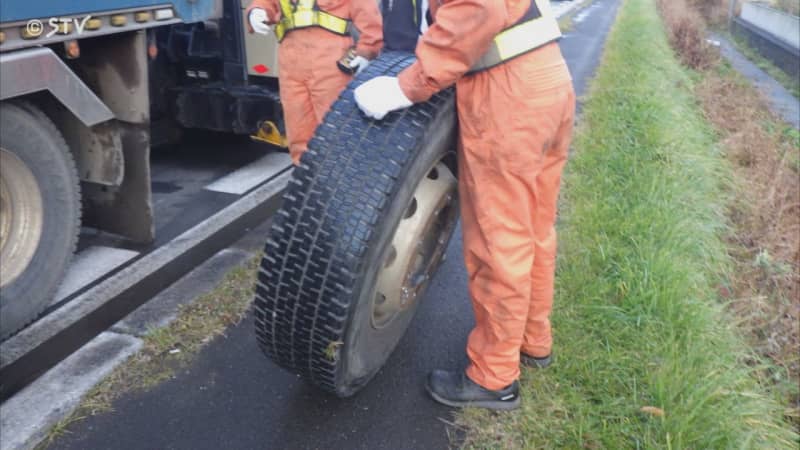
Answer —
87 88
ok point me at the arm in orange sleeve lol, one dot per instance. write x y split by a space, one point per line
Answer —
367 19
460 35
272 7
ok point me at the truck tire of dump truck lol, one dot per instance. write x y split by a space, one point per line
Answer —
40 217
364 225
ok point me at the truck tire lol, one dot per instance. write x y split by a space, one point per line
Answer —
363 227
40 216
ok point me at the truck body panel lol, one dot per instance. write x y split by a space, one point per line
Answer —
38 69
261 51
186 10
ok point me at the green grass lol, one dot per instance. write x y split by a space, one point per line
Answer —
789 82
637 321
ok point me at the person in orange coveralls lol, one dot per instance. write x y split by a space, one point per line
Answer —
516 107
314 36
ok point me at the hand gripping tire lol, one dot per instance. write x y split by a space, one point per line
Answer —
363 227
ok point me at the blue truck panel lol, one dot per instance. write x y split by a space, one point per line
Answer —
20 10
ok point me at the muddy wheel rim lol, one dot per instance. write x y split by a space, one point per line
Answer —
21 216
417 246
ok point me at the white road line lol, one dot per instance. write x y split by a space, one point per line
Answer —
252 174
89 265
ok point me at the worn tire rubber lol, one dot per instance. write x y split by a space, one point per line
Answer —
29 134
313 305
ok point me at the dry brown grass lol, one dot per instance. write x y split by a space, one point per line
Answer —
764 291
766 216
715 12
686 31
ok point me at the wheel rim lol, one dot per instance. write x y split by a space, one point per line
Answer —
417 246
21 216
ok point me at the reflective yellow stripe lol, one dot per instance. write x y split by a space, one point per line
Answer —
332 23
286 8
521 38
305 14
526 37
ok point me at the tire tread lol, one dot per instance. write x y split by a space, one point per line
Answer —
319 239
65 197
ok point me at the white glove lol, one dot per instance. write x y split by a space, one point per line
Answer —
258 18
359 63
380 95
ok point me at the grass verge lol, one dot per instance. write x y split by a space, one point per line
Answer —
650 357
168 349
763 289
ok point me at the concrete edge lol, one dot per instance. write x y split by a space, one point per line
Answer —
163 309
28 416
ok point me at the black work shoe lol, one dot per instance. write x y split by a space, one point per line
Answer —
534 362
457 390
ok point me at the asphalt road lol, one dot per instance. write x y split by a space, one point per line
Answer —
233 397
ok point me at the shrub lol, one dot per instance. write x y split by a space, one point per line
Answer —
686 30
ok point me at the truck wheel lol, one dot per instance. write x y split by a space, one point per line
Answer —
39 213
363 228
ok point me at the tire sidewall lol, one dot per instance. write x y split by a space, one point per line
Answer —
39 145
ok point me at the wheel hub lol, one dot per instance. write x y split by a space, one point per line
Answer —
21 216
417 246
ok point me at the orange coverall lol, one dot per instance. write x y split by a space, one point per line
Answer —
309 79
515 124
